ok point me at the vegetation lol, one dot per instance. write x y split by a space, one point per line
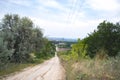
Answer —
22 42
90 69
13 68
105 39
95 57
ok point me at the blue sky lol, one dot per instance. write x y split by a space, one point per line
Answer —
64 18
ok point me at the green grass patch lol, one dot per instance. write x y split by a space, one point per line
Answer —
12 67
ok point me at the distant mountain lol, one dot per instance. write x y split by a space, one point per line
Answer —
62 39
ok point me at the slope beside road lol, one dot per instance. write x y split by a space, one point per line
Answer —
49 70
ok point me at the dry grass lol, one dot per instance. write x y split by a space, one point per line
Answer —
92 69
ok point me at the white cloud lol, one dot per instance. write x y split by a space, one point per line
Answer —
105 5
51 3
72 19
60 29
20 2
70 22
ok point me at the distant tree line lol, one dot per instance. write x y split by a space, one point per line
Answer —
21 41
67 44
105 42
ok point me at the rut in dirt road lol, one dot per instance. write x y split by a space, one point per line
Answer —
49 70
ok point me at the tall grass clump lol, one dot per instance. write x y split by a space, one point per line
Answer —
91 69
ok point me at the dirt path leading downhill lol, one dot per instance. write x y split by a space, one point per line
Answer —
49 70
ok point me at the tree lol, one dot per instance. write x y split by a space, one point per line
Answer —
47 50
110 37
106 38
104 41
79 48
19 38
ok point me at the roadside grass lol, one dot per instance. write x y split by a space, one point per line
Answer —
91 69
97 69
12 67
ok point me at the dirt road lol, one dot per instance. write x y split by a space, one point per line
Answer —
49 70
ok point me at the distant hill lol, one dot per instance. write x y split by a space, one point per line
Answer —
62 39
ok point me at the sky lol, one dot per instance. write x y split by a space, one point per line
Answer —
64 18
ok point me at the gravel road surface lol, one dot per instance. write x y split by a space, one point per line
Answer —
49 70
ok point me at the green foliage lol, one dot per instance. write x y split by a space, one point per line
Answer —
20 40
107 37
95 57
47 50
79 48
